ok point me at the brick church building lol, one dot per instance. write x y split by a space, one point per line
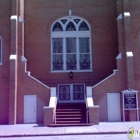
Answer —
69 62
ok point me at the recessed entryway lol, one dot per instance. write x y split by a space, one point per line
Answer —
68 93
30 108
113 105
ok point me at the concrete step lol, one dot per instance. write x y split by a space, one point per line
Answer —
62 125
70 110
71 122
72 118
71 105
71 114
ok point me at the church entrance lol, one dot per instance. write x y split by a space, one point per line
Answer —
71 93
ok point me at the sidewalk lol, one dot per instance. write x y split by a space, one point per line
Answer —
19 130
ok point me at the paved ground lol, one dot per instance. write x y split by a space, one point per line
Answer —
74 137
38 130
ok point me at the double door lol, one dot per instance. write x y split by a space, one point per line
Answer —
68 93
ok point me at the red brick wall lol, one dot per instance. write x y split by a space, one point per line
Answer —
119 82
4 68
39 16
111 85
135 28
28 86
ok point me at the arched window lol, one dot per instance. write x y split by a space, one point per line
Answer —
83 27
70 27
57 27
0 50
71 45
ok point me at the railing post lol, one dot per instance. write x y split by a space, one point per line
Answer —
53 102
86 107
55 116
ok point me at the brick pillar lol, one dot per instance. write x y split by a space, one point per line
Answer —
119 7
13 74
13 65
126 5
94 115
21 28
121 58
129 53
128 44
121 42
48 115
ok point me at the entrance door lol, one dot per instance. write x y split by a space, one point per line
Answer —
113 103
71 93
30 109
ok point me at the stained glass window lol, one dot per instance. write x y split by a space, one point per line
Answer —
71 53
83 27
57 53
71 92
71 48
64 21
57 27
70 27
64 92
78 92
77 20
84 48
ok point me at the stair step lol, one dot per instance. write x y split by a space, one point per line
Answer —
80 124
72 118
67 113
70 112
72 106
71 115
59 109
70 109
70 122
69 106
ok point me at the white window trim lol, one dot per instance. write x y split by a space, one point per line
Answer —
64 35
1 51
71 19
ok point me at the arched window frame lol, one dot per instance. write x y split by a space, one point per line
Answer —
71 34
0 50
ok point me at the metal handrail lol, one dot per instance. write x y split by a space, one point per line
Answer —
87 115
55 110
86 107
55 116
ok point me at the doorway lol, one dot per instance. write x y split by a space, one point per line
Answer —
30 109
70 93
113 104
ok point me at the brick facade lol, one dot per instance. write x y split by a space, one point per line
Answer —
30 38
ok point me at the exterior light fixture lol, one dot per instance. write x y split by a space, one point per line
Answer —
70 12
71 74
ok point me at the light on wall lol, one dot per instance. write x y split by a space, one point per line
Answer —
70 12
71 74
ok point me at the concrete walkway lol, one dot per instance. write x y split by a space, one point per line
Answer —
20 130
